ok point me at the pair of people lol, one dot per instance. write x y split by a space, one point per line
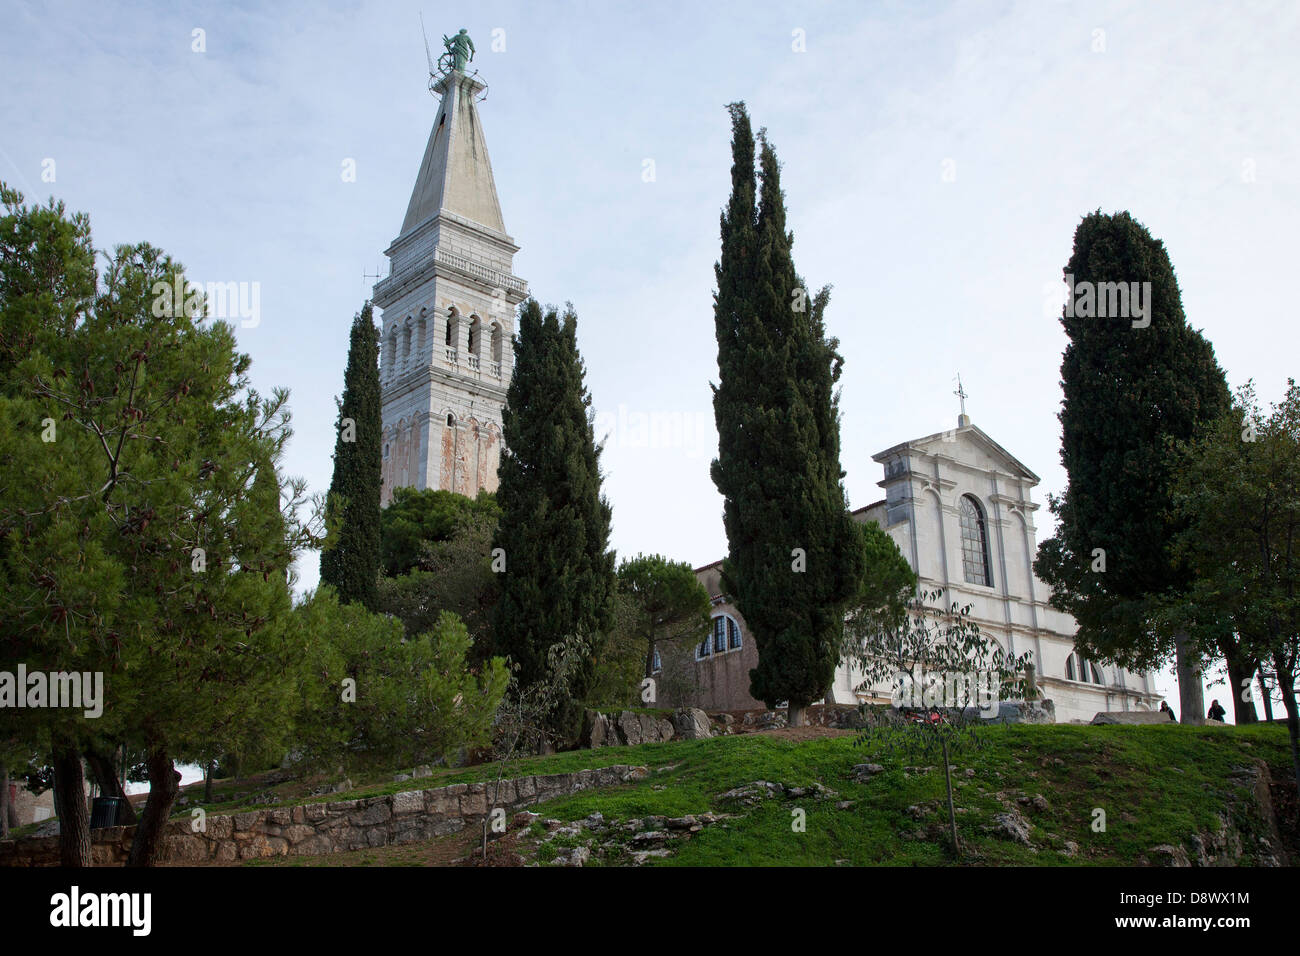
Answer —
1216 711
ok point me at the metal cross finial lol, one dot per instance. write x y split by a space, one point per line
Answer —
961 393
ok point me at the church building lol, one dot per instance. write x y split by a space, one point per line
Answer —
958 506
448 307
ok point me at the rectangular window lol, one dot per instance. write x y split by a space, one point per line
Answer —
719 634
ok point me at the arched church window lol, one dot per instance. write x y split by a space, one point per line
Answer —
1081 669
496 342
473 334
453 328
974 543
451 421
725 635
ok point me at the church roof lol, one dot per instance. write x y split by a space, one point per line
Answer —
971 433
456 174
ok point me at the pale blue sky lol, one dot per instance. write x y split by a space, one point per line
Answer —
230 160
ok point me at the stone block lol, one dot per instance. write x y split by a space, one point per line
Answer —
297 833
525 788
377 812
185 849
1131 717
412 801
247 821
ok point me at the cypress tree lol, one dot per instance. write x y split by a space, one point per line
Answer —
795 559
1130 390
351 561
559 578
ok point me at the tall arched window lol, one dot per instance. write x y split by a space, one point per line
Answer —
1081 669
496 341
474 326
453 329
974 543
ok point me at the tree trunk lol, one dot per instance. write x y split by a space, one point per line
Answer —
1241 670
12 811
1286 684
4 802
109 785
164 784
70 806
207 781
1266 696
1191 695
795 714
952 813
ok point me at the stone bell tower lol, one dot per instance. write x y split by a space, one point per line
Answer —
448 306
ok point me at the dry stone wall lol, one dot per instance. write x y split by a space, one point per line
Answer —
319 828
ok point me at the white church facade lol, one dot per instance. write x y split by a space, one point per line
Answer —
958 506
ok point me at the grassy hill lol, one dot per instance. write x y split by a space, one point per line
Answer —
1159 786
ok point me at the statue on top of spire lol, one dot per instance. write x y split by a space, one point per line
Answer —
460 48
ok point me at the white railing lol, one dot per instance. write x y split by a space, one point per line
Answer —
495 369
500 280
451 355
473 362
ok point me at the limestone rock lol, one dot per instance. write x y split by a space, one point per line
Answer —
1011 826
629 728
692 723
865 771
1130 717
1167 855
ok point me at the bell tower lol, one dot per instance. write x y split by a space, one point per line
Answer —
448 304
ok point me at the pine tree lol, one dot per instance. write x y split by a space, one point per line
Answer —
559 577
1131 389
351 561
146 529
795 559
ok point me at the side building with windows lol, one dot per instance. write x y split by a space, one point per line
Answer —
958 506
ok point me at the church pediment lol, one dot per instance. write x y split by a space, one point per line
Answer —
964 447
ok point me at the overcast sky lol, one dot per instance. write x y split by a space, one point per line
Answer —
936 160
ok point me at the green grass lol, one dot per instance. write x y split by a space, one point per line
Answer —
1157 785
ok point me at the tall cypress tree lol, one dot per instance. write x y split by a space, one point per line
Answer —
795 558
351 562
1130 390
559 578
